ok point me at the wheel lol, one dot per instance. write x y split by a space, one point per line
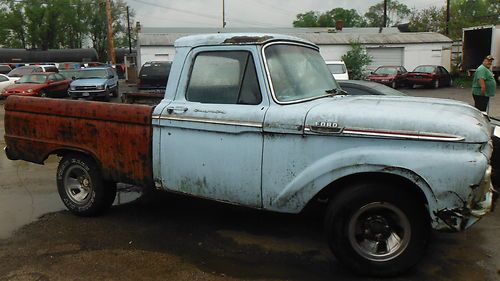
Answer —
377 230
410 86
394 85
115 91
451 83
435 84
81 187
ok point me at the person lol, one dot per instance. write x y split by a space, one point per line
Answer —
483 84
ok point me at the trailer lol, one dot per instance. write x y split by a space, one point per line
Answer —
477 43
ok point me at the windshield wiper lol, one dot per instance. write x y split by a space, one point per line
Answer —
336 91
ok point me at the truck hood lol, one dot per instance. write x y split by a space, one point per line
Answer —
399 117
89 82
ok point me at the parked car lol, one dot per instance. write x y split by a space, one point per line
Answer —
338 70
361 87
18 72
70 65
154 75
429 75
43 84
393 76
5 68
5 81
94 82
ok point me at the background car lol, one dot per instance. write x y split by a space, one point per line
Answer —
43 84
5 68
338 70
360 87
69 73
429 75
94 82
18 72
154 75
393 76
70 65
5 81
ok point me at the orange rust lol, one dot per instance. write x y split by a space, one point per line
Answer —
117 136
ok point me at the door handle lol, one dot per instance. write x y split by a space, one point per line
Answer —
176 109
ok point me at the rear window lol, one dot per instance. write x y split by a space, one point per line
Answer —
424 69
20 71
337 68
4 68
155 69
51 69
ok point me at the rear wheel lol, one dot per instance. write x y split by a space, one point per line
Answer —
81 187
377 230
435 84
394 85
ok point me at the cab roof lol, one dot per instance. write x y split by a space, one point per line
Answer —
235 39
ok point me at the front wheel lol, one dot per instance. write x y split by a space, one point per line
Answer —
377 230
81 187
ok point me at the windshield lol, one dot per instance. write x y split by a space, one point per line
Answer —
337 68
20 71
69 73
92 73
424 69
33 78
298 73
386 70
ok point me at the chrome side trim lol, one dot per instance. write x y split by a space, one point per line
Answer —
210 121
390 134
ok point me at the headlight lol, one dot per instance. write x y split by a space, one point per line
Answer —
73 88
100 87
29 91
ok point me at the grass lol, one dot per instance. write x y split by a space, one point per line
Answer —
462 82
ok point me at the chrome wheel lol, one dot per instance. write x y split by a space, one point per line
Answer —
379 231
77 184
436 84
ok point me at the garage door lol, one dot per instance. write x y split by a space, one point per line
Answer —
385 56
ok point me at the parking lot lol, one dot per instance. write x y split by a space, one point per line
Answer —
170 237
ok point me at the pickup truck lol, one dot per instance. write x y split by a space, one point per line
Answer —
258 120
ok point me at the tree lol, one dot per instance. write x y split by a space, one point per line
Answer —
468 13
356 61
351 18
431 19
396 13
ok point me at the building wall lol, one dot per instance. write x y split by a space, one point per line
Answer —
155 53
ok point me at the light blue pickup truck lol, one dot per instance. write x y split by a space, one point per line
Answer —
258 120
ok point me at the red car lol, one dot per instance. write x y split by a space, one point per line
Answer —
392 76
39 84
429 75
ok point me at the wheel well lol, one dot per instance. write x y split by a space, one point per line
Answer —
335 188
64 152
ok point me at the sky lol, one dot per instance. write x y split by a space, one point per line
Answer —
244 13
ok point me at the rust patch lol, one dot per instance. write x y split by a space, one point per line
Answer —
247 39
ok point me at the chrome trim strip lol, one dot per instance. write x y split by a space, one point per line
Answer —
268 74
210 121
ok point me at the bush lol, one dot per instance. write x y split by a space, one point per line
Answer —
356 61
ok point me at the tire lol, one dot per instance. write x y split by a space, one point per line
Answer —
369 215
81 187
115 91
410 86
435 84
394 85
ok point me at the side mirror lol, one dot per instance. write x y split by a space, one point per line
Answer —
372 72
73 77
16 82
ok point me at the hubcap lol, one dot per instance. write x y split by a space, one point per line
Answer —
379 231
77 184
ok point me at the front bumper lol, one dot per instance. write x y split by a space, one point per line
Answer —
88 94
480 202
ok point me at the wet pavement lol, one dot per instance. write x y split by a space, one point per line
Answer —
171 237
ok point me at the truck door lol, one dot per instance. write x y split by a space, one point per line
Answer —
211 134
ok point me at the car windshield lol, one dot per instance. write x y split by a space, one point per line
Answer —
92 73
298 73
386 70
155 69
424 69
69 73
20 71
337 68
33 79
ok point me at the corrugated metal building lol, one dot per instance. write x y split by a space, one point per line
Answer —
389 47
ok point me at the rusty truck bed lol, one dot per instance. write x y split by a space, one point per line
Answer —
117 136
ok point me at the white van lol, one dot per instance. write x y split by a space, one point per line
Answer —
338 70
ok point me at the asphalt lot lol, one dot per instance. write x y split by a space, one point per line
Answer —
170 237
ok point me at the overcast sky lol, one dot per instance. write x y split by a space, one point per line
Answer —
244 13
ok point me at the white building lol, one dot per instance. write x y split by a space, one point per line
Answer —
389 47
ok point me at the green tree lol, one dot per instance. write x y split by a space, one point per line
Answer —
356 61
468 13
431 19
396 13
351 18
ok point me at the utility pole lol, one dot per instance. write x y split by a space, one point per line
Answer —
111 45
385 13
223 14
447 32
128 29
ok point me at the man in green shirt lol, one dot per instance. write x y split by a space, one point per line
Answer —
483 85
